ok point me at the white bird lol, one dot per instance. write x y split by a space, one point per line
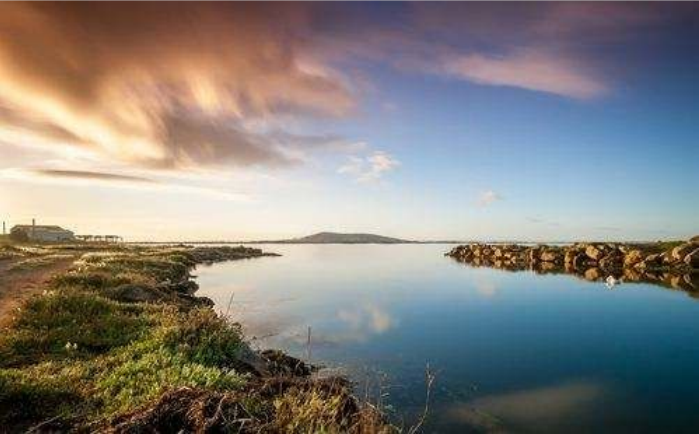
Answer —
611 282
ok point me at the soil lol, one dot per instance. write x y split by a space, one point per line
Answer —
18 284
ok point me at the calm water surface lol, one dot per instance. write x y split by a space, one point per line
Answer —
513 352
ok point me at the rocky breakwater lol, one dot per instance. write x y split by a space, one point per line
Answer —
671 264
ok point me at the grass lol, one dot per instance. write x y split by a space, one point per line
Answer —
79 357
125 355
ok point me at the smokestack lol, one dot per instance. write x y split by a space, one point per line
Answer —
3 228
33 227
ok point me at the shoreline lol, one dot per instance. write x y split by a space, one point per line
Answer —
121 343
669 264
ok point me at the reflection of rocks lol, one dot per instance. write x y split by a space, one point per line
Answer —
593 274
674 265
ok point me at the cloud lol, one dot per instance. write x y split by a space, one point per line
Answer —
531 70
182 85
370 168
87 175
164 86
80 177
488 197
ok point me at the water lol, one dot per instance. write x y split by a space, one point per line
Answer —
513 352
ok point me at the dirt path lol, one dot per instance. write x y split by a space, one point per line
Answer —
17 285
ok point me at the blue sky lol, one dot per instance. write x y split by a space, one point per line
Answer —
428 121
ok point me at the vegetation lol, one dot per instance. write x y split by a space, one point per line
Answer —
84 356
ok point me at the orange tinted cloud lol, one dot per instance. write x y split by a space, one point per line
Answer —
162 85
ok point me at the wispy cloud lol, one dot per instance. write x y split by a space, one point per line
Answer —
488 197
113 180
370 168
88 175
531 70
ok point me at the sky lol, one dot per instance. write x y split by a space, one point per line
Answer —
241 121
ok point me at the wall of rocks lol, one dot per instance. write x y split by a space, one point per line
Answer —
676 266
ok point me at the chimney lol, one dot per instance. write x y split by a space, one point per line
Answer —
3 228
33 227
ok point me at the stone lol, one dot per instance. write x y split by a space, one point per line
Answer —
534 254
612 261
570 255
594 252
130 293
580 261
651 261
679 252
632 258
692 259
549 256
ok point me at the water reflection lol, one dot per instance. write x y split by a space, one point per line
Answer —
672 279
367 319
555 408
509 347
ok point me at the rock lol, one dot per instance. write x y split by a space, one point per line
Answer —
679 252
692 259
279 363
666 258
580 261
136 294
249 361
654 260
534 254
594 252
612 261
694 239
549 256
570 255
632 258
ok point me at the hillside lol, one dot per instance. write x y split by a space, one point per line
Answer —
341 238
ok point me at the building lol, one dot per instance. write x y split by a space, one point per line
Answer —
41 233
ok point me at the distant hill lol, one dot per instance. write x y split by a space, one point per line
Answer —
340 238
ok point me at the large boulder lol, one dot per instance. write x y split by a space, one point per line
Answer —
594 252
534 254
131 293
633 257
612 261
550 256
580 261
653 260
692 258
679 252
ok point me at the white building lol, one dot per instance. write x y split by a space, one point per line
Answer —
41 233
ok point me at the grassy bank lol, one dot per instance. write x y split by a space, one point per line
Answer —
121 344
